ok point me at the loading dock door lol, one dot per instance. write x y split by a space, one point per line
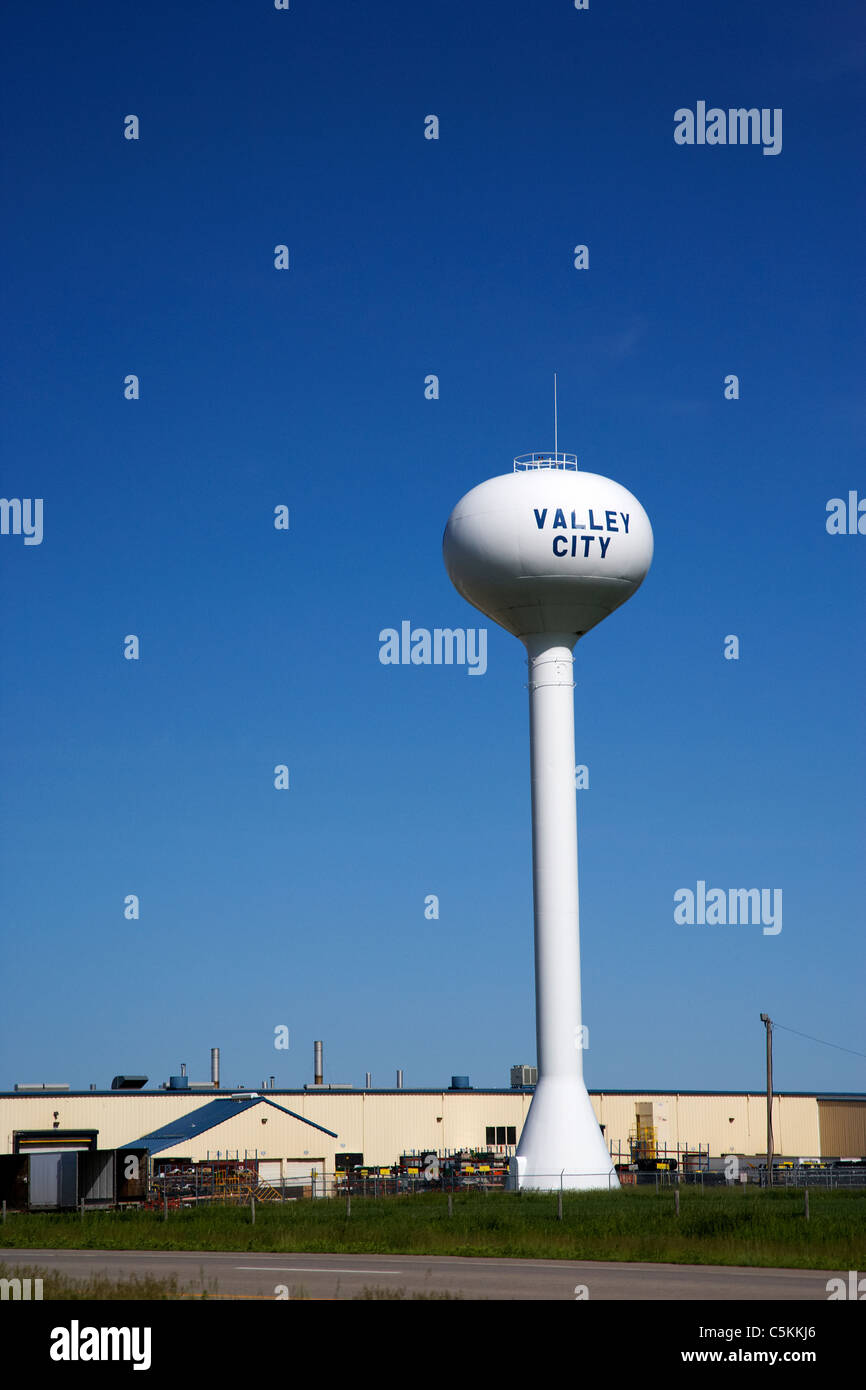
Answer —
305 1172
299 1169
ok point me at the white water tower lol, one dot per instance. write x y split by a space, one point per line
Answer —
548 552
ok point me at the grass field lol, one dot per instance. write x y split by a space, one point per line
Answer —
727 1226
101 1288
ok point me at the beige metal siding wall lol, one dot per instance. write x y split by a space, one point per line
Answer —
445 1120
843 1128
720 1121
468 1115
396 1123
382 1126
617 1114
120 1118
725 1123
245 1137
738 1124
337 1110
797 1130
340 1111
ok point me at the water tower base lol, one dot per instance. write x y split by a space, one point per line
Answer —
561 1146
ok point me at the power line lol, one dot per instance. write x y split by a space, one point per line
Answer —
822 1041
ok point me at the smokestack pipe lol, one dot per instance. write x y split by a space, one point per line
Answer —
369 1080
400 1080
183 1068
215 1067
317 1064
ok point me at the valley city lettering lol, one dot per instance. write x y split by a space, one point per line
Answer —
581 521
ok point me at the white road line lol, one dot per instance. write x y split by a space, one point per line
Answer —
308 1269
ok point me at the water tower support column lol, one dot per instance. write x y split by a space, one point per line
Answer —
561 1140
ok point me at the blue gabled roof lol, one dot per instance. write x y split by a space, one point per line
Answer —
216 1112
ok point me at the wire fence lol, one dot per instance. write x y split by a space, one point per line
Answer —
188 1188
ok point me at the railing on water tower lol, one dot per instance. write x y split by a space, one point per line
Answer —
548 460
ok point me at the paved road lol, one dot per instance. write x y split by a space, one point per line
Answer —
255 1275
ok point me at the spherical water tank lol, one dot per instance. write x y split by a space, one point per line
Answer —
548 548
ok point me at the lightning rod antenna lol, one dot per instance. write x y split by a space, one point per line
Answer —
555 420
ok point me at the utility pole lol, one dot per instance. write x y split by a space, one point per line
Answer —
768 1024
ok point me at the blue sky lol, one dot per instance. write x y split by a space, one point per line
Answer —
305 387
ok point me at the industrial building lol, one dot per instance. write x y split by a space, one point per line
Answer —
319 1130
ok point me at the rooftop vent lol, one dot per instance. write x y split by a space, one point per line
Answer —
524 1076
42 1085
